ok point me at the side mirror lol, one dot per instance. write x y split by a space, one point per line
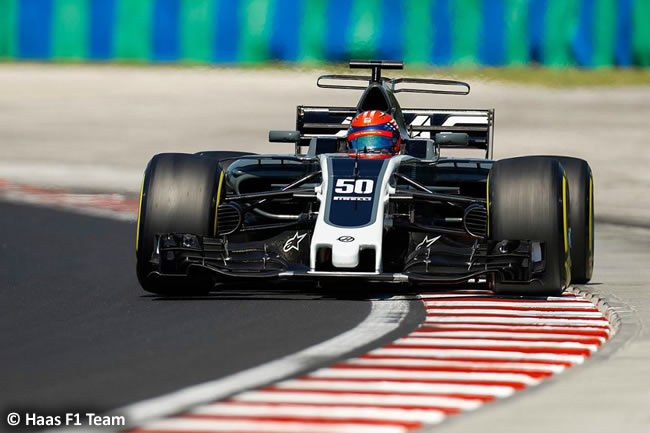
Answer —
452 139
284 136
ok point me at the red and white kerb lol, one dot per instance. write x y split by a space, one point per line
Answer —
472 348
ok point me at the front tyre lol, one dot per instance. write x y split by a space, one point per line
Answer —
179 193
528 199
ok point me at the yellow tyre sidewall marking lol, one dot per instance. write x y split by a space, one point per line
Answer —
590 263
567 265
137 230
216 209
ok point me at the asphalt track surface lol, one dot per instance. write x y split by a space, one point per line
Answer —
79 333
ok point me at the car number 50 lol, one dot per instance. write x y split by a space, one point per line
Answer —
357 186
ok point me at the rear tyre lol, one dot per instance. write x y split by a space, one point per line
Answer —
179 193
527 198
581 217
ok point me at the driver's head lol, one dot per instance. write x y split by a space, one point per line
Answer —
375 132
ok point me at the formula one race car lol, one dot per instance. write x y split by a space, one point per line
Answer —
367 196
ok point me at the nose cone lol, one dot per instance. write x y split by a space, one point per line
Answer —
345 252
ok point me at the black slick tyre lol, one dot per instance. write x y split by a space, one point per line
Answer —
179 193
527 201
581 217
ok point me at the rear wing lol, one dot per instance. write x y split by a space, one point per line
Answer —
333 122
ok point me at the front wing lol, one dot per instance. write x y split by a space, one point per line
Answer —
286 257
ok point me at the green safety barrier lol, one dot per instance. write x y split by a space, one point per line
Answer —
557 33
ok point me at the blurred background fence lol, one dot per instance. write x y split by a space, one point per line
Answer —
586 33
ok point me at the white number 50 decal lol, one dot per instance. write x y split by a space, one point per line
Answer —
357 186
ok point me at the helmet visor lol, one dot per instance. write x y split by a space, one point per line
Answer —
372 143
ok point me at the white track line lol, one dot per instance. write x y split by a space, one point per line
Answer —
414 362
397 387
489 296
508 326
361 399
456 295
517 320
482 292
505 303
208 425
532 313
385 316
478 354
477 342
324 412
379 374
505 335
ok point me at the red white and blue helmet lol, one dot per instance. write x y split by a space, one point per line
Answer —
375 132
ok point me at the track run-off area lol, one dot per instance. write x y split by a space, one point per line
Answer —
82 336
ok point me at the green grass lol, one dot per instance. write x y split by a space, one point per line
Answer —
552 77
527 75
531 75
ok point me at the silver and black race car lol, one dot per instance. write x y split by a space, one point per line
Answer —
330 213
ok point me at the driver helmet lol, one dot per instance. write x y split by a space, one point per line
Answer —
374 132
